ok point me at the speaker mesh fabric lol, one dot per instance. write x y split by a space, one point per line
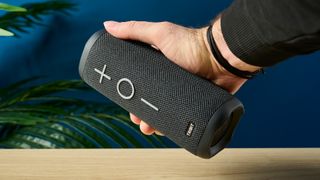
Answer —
180 96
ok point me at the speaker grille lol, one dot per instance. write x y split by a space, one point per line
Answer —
181 97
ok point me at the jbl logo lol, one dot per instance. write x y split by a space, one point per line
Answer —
190 129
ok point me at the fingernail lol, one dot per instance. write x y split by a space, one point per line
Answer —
158 133
110 24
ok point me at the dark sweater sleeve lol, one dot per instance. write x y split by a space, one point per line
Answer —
265 32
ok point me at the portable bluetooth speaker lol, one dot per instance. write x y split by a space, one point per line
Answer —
191 111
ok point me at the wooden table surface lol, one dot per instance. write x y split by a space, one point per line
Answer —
159 164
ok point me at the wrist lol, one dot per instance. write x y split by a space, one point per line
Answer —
225 51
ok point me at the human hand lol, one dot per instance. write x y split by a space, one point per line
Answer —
187 48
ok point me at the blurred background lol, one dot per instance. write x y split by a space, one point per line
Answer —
282 105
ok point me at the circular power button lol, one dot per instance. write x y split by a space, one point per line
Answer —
131 85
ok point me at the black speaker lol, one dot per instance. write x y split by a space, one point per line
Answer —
191 111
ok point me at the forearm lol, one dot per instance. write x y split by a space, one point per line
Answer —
265 32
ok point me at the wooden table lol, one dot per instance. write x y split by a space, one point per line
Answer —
159 164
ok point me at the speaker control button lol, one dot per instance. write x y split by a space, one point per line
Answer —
123 80
102 74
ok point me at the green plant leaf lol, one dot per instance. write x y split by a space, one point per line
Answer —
76 132
120 136
4 91
77 140
11 8
41 91
33 116
45 109
4 32
20 118
21 20
16 141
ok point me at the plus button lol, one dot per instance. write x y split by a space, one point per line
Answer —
102 74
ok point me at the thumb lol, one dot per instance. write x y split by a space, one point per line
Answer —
135 30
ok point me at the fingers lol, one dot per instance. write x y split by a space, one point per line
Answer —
136 30
144 127
135 119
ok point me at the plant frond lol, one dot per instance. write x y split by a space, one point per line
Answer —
11 8
33 117
20 21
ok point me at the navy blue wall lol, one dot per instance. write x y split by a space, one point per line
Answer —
281 106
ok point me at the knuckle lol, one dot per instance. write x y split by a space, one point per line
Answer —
164 30
166 25
132 24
